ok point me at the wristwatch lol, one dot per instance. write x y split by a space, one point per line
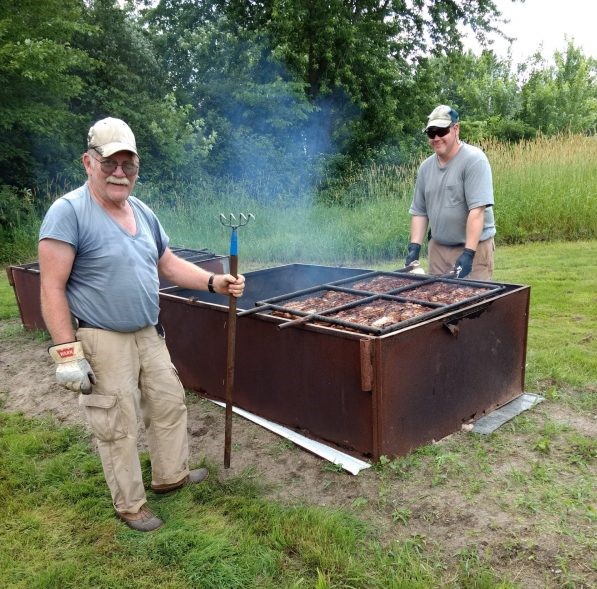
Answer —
210 284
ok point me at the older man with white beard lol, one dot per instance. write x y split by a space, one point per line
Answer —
101 253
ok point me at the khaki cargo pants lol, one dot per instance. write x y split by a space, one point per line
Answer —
135 376
443 257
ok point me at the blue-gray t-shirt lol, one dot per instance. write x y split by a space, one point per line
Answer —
446 194
114 281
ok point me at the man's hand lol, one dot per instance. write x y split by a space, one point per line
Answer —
72 369
414 250
226 284
464 264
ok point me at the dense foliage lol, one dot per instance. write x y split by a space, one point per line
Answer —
287 98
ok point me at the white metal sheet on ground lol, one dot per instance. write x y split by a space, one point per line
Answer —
346 461
492 421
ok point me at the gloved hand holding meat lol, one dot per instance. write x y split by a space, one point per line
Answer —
464 264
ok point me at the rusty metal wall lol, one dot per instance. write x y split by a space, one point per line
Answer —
25 281
299 377
373 395
434 377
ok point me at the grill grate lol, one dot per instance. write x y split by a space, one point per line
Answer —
376 302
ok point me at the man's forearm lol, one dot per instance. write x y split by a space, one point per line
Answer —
57 317
418 227
182 272
55 265
474 227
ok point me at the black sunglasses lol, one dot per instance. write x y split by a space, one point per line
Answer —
438 131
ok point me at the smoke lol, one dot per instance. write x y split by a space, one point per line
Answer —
278 143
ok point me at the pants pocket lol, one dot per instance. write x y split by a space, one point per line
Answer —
104 416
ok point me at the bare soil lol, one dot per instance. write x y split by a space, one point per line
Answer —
527 549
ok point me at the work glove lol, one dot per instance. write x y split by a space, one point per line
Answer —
72 369
414 250
464 264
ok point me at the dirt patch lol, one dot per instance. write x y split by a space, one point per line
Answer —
452 506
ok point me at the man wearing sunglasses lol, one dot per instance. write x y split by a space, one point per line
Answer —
101 253
453 200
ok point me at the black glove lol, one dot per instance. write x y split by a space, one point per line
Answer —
464 264
414 249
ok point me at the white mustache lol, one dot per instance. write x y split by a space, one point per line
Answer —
121 181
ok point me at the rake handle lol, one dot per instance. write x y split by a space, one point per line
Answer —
230 352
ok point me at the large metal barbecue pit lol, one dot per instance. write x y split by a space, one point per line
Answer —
374 363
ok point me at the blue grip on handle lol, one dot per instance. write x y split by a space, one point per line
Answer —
234 243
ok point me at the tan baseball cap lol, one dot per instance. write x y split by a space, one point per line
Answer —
442 116
111 135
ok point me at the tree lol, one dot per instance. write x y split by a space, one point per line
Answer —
304 78
38 79
249 102
128 81
355 58
562 97
483 89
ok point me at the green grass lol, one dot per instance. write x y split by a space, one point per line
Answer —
562 342
537 472
60 531
294 232
8 302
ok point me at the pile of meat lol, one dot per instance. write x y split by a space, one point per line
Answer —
446 293
382 284
326 299
380 313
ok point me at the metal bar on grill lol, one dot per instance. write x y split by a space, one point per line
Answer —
260 307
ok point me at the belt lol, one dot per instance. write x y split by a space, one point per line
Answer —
448 244
84 324
458 244
81 323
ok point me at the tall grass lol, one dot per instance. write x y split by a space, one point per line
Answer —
365 221
291 233
545 190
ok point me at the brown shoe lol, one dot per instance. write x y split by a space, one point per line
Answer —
195 476
142 521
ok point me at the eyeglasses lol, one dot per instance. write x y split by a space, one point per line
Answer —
438 131
110 166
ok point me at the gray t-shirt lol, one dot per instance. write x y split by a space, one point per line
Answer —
445 195
114 281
